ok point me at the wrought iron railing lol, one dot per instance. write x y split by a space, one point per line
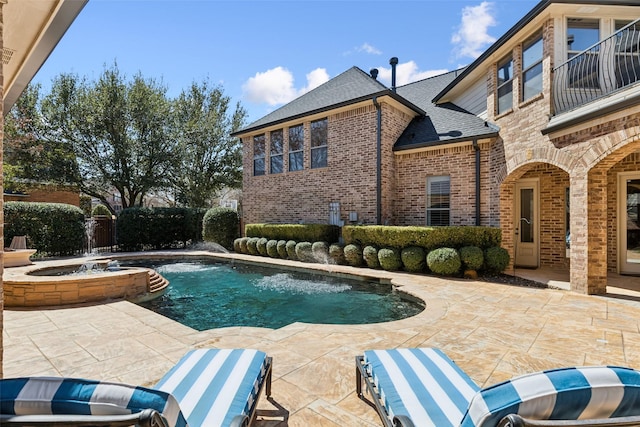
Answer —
609 66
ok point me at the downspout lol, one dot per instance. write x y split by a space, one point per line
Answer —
378 160
477 149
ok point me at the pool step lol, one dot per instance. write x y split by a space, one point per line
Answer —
157 283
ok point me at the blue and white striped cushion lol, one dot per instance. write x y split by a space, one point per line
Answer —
72 396
421 383
213 386
559 394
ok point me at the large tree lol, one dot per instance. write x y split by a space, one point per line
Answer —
209 158
118 129
29 156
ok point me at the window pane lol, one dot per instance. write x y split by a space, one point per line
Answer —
438 218
258 166
258 154
296 138
276 164
532 81
505 97
438 200
582 34
532 53
276 142
505 72
319 157
296 161
319 133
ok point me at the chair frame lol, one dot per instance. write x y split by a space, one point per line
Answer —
511 420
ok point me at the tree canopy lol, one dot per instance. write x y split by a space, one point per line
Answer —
126 136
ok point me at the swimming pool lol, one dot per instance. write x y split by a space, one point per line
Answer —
207 294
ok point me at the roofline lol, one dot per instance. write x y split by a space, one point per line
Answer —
517 27
429 144
67 12
385 92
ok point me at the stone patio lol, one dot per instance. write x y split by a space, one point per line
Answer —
493 331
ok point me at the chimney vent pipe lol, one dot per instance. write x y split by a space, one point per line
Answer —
374 73
393 61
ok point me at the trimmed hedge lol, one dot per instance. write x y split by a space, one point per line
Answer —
298 232
428 238
496 259
261 245
291 250
320 252
336 253
390 259
272 249
252 246
281 247
54 229
472 257
353 255
158 228
370 255
414 259
100 210
304 252
220 225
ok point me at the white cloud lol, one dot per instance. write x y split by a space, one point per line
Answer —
367 48
407 72
471 37
276 86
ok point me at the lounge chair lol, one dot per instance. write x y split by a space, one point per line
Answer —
423 387
207 387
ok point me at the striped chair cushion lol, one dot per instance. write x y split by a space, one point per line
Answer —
421 383
72 396
559 394
213 386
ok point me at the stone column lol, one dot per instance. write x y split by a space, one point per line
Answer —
588 222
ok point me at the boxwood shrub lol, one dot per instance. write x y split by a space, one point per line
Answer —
299 232
472 257
272 249
100 210
304 252
444 261
252 246
390 259
336 253
370 256
320 252
243 245
261 246
281 247
413 259
291 250
496 259
353 255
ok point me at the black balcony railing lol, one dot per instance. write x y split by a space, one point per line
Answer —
607 67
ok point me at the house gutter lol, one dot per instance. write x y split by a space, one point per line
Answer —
477 150
378 160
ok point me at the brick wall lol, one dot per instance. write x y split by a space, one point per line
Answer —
1 202
43 195
349 178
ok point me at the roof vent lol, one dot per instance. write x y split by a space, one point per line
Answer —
7 54
374 73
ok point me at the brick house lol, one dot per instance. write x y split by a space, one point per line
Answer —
539 136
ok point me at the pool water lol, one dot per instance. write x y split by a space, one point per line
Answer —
205 295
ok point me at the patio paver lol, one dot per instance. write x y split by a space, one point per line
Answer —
493 331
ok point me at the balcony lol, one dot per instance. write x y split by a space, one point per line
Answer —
606 68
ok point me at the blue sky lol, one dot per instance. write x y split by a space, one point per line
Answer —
265 53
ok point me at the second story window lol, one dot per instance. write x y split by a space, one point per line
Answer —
258 154
276 151
319 143
583 68
532 68
505 85
296 148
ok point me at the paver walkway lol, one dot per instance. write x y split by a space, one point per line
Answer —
492 331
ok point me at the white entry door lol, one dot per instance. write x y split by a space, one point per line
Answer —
629 222
527 223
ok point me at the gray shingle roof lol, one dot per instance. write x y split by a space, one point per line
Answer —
442 123
353 85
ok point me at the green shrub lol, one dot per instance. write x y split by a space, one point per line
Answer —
353 255
158 228
243 245
281 247
291 250
236 245
413 259
252 246
220 225
272 248
320 252
472 257
299 232
496 259
304 252
370 256
261 245
101 210
54 229
444 261
428 238
390 259
336 253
